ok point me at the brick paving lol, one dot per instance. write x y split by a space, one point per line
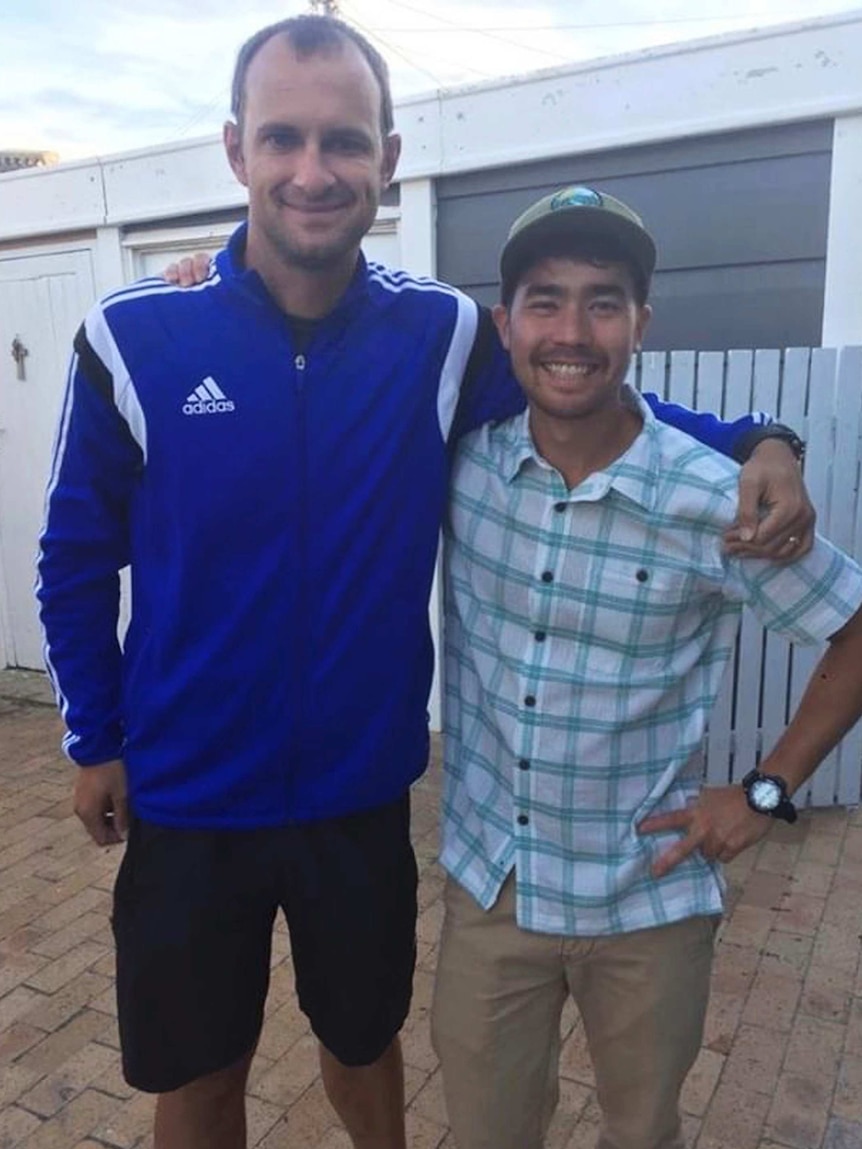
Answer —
781 1065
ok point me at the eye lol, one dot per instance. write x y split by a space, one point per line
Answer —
280 139
348 145
606 306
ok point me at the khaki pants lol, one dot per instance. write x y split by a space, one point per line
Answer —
496 1018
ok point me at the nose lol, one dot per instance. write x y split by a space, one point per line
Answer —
311 174
573 325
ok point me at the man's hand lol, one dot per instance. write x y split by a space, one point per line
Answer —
189 271
720 824
100 801
771 486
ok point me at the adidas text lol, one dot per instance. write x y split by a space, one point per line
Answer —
208 406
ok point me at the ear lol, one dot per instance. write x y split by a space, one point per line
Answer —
644 316
500 315
232 137
391 154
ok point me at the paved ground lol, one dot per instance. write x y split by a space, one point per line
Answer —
781 1064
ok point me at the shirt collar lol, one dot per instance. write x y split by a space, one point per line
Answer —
516 447
635 474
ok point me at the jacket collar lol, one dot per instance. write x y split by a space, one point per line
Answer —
230 264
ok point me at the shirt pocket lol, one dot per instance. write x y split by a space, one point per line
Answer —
639 619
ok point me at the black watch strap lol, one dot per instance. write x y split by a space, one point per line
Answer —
747 442
785 810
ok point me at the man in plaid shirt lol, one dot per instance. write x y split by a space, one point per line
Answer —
591 611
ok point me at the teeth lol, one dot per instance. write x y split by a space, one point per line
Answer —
570 368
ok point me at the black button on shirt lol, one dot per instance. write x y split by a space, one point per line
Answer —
560 506
540 636
547 576
523 819
524 764
530 700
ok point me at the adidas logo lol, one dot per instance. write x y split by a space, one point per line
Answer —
207 399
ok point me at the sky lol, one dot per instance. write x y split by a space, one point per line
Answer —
96 77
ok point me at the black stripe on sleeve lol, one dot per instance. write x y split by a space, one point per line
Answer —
97 374
94 372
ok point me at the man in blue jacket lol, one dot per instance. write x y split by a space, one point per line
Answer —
269 453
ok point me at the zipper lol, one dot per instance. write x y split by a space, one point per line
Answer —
303 638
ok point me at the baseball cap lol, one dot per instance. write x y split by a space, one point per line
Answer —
573 212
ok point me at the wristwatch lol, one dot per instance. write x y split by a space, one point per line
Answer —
743 448
767 794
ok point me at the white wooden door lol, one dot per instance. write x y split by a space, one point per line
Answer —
43 299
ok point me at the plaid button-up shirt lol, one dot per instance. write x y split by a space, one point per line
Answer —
586 636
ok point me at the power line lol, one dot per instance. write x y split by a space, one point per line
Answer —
390 47
203 113
395 51
585 27
482 32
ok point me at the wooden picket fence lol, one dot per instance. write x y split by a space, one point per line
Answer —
818 393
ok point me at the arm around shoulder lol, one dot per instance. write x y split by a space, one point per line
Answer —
776 517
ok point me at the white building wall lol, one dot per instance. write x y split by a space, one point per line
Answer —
796 72
842 307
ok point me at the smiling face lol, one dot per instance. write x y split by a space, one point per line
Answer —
310 151
571 329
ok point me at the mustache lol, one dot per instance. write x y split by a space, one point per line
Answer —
570 353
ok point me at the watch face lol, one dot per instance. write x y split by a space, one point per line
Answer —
765 795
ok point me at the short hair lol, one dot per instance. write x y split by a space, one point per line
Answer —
597 249
309 35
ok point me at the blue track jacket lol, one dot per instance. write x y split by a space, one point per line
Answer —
280 513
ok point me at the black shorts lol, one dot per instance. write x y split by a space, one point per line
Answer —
193 918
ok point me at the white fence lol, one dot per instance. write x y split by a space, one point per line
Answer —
819 394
